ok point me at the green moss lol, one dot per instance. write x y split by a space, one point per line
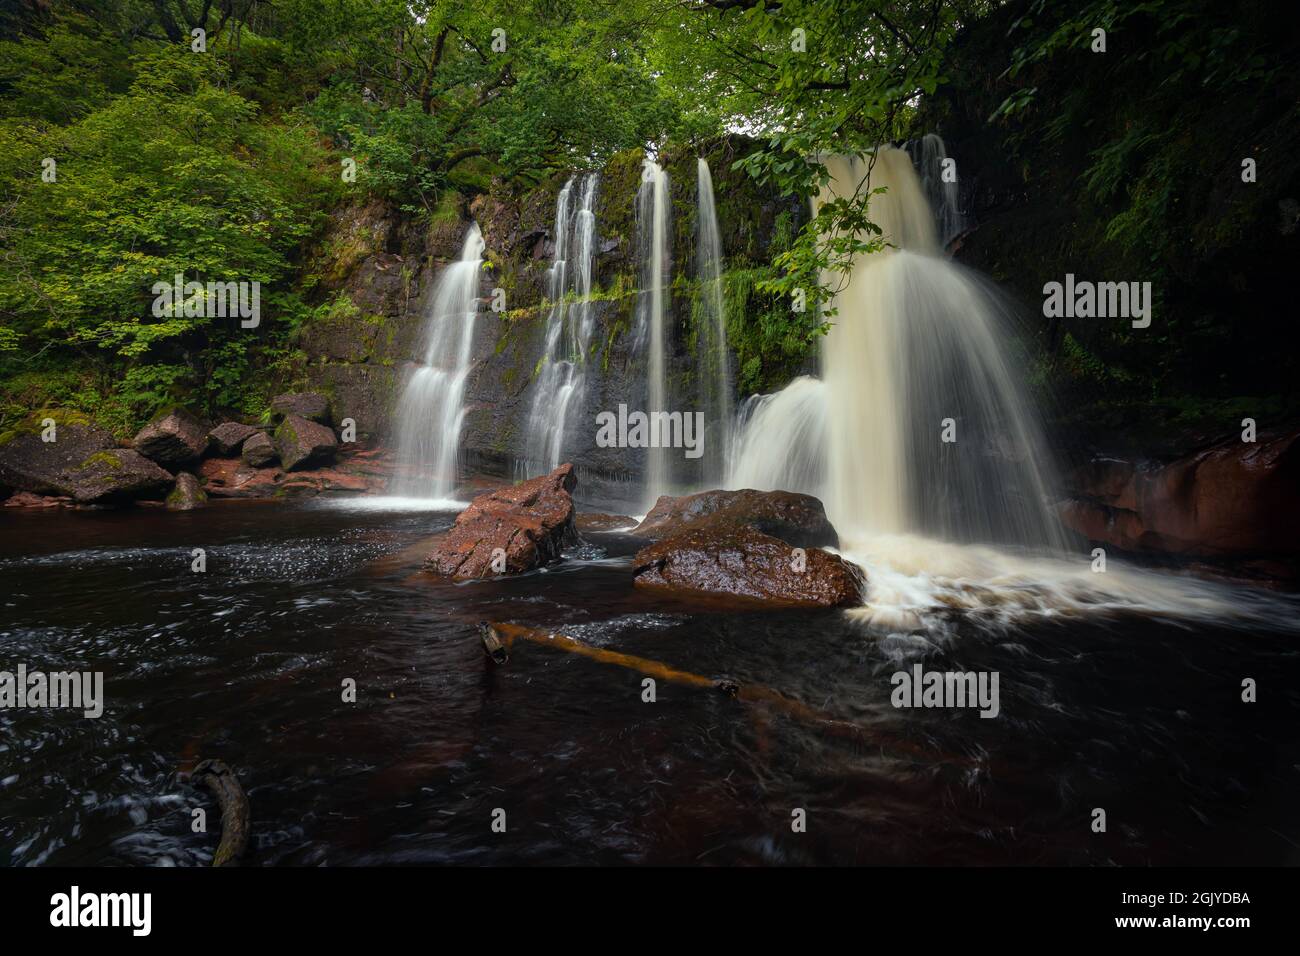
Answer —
102 459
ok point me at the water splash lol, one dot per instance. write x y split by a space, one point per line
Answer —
561 384
431 410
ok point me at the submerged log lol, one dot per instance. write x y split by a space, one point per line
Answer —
504 635
226 789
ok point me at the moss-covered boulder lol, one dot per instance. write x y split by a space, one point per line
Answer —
37 453
302 442
187 495
115 476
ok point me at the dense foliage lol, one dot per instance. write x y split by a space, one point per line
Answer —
223 159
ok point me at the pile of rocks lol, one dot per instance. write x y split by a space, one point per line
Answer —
178 458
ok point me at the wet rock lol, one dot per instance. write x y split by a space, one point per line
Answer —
310 405
798 520
530 523
225 440
115 476
738 561
595 522
321 480
187 495
259 451
25 499
231 478
1231 500
302 442
28 463
173 439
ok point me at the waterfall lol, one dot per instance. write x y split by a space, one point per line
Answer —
431 409
713 365
653 240
921 426
561 383
939 182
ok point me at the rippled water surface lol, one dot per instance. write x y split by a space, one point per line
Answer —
1139 715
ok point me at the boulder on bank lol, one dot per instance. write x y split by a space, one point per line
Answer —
1234 500
227 438
302 442
173 439
523 527
310 405
114 476
738 561
233 478
187 495
29 463
259 451
798 520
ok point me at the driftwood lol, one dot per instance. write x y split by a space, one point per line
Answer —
225 787
499 637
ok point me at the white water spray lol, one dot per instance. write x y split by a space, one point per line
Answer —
431 410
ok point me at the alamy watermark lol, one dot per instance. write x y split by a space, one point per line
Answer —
1098 300
639 429
921 688
210 300
80 691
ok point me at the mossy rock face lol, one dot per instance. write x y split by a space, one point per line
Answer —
39 421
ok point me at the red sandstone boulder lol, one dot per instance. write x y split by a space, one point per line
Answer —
172 439
1234 499
740 562
799 520
232 478
521 527
756 546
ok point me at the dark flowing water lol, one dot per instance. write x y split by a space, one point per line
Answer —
246 663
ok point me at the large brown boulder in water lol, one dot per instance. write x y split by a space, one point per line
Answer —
173 439
1234 499
796 519
522 527
753 545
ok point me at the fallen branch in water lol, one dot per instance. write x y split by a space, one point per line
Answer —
225 787
499 637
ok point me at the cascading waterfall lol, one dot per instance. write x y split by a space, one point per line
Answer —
939 182
653 201
713 365
914 357
562 379
431 410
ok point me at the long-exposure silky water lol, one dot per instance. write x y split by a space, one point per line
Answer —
431 410
920 439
